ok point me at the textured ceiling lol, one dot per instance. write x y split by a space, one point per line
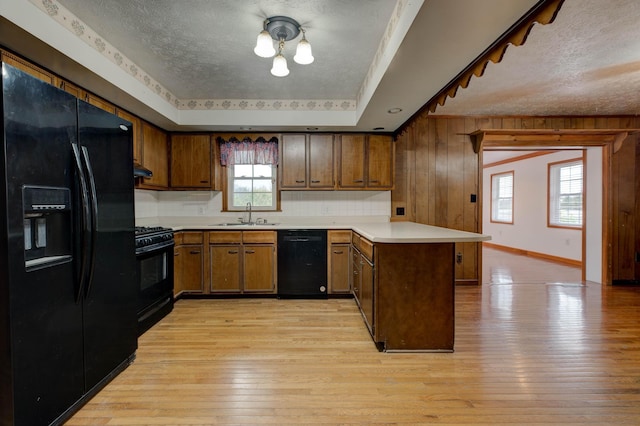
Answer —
586 62
201 49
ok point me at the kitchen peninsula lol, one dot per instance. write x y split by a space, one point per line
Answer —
401 275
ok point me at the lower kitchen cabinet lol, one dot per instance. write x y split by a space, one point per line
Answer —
242 262
405 293
225 268
188 263
339 259
363 279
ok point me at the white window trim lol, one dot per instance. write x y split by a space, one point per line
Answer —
495 179
553 194
230 192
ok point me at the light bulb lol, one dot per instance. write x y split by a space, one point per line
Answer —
264 45
303 52
280 66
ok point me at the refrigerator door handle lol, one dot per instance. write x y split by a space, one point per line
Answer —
93 196
86 221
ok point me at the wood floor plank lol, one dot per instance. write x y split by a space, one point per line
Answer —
539 351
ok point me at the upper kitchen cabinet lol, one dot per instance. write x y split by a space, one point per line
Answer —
306 161
28 67
71 88
137 134
191 160
99 102
380 161
155 155
365 161
351 161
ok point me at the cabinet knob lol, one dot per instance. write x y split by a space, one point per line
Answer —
299 181
338 252
315 181
233 252
358 181
374 181
194 252
249 251
204 181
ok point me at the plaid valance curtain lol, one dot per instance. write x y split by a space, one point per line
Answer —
246 151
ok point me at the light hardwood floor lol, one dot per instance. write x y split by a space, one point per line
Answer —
534 350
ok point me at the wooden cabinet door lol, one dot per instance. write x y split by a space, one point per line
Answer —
137 134
71 88
351 170
367 292
340 273
28 67
177 270
225 268
320 153
192 268
155 152
380 162
99 102
293 163
356 275
259 268
190 161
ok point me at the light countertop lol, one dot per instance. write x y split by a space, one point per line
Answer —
374 231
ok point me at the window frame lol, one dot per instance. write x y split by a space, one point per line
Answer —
493 212
229 190
558 165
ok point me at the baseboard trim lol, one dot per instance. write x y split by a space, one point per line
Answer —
543 256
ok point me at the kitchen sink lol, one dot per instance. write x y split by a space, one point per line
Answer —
246 224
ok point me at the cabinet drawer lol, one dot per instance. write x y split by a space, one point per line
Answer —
177 238
366 248
339 236
266 237
355 240
225 237
192 237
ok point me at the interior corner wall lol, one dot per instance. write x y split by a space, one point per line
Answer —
529 230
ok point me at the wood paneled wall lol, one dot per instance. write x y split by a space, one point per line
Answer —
437 172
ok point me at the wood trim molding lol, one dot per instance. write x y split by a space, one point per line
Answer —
543 256
544 12
528 138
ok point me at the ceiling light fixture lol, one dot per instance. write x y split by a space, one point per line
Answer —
282 29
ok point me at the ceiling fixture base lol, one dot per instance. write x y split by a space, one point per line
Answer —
282 28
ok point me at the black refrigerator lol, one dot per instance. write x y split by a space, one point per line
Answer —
68 288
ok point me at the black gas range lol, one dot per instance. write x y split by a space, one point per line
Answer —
154 258
150 238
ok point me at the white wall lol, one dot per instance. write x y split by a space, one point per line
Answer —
529 230
151 204
593 185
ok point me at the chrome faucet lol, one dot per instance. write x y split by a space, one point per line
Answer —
248 209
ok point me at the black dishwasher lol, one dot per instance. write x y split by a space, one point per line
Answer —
302 264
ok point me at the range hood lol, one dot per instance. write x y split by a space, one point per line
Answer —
140 171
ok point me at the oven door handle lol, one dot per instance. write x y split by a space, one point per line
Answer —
86 223
93 197
154 247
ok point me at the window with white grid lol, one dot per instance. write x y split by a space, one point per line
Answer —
502 197
566 194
